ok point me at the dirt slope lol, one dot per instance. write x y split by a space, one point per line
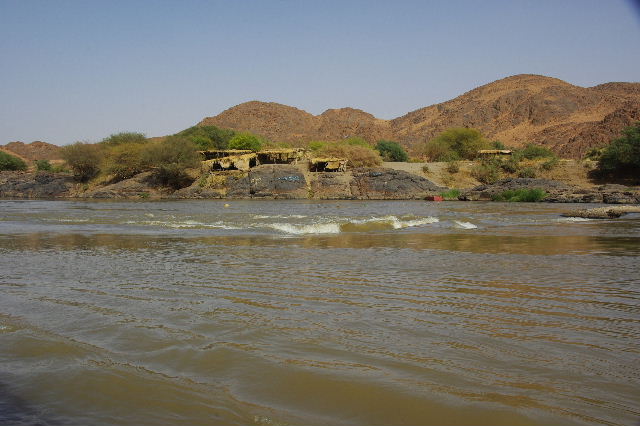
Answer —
516 110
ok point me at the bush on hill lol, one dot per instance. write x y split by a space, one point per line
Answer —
391 151
357 154
9 162
456 143
83 159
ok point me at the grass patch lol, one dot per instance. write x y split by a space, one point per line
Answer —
522 195
451 194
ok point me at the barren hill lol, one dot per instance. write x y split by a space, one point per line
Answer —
33 151
515 110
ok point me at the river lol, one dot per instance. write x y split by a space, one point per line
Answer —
304 312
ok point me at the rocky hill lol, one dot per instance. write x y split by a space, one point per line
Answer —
515 110
33 151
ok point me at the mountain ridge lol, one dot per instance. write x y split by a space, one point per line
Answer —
518 109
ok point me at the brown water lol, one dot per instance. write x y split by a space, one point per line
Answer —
278 312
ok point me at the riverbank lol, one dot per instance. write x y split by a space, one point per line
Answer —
395 181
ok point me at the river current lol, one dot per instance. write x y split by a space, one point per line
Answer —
304 312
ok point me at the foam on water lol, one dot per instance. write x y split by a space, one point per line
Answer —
316 228
465 225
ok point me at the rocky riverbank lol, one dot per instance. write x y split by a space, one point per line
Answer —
293 182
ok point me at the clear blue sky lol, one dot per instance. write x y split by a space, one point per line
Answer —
80 70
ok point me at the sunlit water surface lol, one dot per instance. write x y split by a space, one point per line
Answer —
282 312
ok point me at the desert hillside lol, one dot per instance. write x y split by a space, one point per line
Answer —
515 110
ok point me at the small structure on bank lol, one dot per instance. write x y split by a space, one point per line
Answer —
235 159
281 156
328 164
490 152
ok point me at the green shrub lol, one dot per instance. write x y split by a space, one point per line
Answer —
245 141
527 172
10 162
83 159
464 142
453 167
208 137
125 160
550 163
521 195
124 137
170 158
425 169
43 166
391 151
622 157
532 151
451 194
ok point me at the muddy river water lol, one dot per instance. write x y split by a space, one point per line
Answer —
300 312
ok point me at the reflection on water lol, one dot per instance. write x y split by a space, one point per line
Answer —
354 313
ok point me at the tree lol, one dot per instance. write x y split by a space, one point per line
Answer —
170 158
357 155
124 137
83 159
245 141
622 156
10 162
208 137
391 151
462 141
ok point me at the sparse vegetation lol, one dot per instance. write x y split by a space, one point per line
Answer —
391 151
487 171
456 143
358 155
10 162
521 195
527 172
550 164
453 167
84 159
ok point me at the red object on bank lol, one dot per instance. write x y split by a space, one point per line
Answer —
435 198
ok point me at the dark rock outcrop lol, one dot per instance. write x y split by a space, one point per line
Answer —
557 192
388 184
35 185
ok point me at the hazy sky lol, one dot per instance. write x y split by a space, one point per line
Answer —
81 70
